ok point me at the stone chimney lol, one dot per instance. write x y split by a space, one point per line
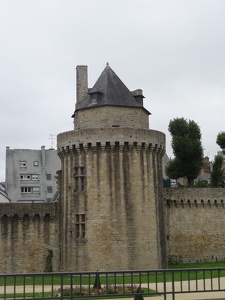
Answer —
82 83
138 95
43 156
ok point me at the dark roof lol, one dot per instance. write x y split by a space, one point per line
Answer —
110 90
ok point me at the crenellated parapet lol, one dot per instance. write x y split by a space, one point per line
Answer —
21 210
109 139
195 203
93 148
194 197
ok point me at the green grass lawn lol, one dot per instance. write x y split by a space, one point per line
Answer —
128 279
198 265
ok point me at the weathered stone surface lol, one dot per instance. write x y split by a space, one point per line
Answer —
195 222
121 199
28 231
109 116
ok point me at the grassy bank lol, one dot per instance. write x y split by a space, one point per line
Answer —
128 279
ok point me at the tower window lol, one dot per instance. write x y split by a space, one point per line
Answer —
80 226
79 179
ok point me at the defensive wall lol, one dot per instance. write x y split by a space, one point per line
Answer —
195 224
195 230
29 237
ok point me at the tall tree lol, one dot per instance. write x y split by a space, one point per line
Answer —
187 149
220 140
217 175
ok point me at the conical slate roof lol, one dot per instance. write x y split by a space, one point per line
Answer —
109 90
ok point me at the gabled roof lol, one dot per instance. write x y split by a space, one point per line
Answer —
110 90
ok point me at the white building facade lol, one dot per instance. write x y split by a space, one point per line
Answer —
31 175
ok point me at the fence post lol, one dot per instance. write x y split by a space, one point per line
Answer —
164 284
173 290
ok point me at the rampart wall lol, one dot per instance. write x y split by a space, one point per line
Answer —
195 224
29 237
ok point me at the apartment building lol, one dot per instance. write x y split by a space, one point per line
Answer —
31 175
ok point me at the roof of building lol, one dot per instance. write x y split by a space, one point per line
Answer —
3 194
110 90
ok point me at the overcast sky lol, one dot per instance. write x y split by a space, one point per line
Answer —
172 49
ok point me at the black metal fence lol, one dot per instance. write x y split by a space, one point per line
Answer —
112 284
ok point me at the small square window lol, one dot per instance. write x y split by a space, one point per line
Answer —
23 164
49 189
36 190
35 177
48 176
36 163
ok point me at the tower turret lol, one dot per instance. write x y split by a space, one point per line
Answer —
111 182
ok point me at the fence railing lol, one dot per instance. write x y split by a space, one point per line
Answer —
112 284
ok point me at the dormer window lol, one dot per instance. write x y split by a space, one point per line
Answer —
94 98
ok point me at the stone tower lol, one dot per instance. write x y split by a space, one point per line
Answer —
112 215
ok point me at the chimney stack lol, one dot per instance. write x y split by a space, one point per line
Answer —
82 83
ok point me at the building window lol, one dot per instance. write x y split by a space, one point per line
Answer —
79 179
23 164
30 190
49 189
48 176
35 177
94 98
36 190
80 226
36 163
26 190
25 177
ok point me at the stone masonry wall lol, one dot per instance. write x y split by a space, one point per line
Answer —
112 219
27 233
110 116
195 224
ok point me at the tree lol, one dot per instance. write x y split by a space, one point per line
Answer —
187 149
217 175
201 183
220 140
